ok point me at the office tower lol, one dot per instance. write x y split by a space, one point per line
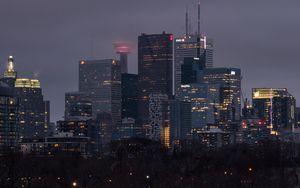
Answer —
100 132
180 121
9 124
190 70
130 96
158 109
191 46
101 79
155 56
253 130
228 104
32 116
204 99
123 49
277 107
77 104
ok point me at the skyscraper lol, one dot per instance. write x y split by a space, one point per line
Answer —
32 117
9 124
180 121
130 96
34 112
101 80
155 56
228 104
276 106
191 46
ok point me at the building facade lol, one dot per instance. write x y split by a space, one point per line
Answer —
77 104
9 123
33 110
191 46
155 66
101 80
277 107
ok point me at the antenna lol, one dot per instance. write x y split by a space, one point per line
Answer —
190 24
199 18
186 22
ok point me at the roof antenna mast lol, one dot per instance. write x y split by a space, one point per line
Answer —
199 18
186 22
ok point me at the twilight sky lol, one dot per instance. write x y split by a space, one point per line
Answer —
49 37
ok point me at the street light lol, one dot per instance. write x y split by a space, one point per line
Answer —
74 184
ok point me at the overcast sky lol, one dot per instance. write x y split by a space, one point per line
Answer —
49 37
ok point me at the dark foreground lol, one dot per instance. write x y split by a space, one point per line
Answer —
271 164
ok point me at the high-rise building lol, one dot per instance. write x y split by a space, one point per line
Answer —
100 131
77 104
191 46
155 65
32 108
9 124
34 112
180 121
101 79
228 104
204 98
129 96
277 107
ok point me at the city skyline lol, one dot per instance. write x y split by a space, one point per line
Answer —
53 45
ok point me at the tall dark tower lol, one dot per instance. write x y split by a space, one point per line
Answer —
155 65
123 49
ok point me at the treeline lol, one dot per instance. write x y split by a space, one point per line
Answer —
143 163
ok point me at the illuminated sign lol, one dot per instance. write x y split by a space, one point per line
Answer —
179 40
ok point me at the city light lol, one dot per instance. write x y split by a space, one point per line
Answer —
74 184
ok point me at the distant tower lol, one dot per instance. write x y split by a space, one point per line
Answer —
10 72
123 49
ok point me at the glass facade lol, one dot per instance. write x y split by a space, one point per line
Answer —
9 127
155 65
101 79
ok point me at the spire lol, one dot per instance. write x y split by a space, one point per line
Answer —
10 71
10 66
199 18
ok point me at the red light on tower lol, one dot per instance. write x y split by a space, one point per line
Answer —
123 49
171 37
